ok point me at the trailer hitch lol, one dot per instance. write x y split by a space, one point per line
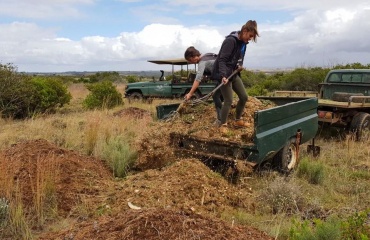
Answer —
297 142
312 149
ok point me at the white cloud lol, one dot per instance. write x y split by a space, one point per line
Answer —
312 38
43 9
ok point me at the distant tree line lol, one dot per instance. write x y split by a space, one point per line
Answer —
109 76
300 79
23 96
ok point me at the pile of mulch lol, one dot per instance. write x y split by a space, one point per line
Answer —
156 150
133 112
157 224
187 184
181 201
33 168
199 121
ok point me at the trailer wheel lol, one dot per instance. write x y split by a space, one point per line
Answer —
287 158
360 126
135 96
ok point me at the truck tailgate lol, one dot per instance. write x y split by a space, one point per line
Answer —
275 126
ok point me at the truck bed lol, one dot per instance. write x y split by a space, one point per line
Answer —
272 129
351 105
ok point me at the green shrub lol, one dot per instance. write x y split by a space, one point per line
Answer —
50 93
257 90
119 156
102 95
355 227
22 96
15 93
318 230
313 172
105 76
131 79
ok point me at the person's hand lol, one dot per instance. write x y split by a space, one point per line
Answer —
188 96
225 80
240 68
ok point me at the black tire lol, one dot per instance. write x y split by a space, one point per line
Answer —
135 96
360 126
287 158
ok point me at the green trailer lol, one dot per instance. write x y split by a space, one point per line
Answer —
278 134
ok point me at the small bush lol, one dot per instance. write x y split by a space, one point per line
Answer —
355 227
282 196
319 230
49 94
15 93
313 172
102 95
22 96
257 90
119 156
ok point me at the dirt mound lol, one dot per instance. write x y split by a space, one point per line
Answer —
133 112
187 184
155 150
38 170
158 224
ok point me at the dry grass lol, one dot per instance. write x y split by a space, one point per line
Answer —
345 188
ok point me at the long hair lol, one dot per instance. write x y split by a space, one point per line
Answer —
251 26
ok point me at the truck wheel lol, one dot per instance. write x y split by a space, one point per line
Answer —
135 96
287 158
360 126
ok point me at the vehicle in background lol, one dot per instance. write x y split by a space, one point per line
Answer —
177 87
344 101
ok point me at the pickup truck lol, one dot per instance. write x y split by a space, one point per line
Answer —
277 134
344 101
177 87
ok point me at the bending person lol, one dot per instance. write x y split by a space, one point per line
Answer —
205 66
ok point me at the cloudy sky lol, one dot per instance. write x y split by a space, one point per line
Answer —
121 35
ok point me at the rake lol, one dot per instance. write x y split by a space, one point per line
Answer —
203 99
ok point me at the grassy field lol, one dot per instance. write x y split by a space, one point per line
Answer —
329 192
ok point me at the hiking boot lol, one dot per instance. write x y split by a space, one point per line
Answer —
240 123
223 129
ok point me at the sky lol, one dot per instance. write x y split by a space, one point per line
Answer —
122 35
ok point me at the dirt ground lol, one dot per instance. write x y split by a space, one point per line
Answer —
164 198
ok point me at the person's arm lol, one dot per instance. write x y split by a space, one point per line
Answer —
192 90
197 80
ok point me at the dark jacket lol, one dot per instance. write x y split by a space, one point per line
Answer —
231 54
